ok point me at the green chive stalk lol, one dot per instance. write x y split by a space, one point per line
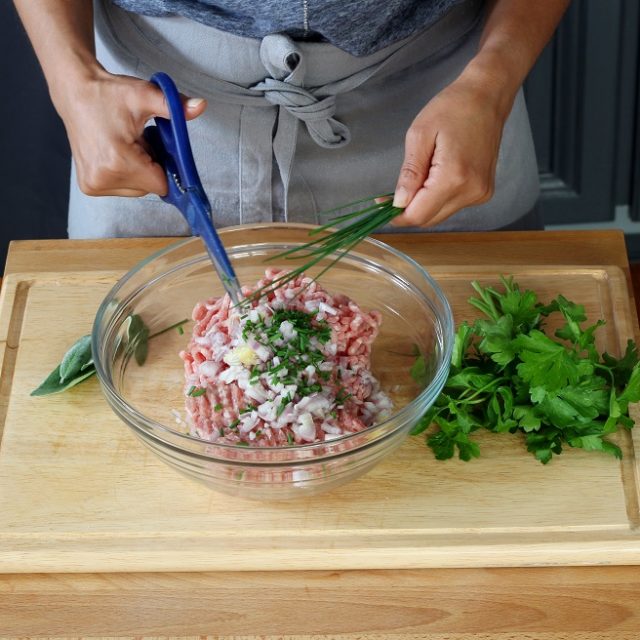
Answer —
339 242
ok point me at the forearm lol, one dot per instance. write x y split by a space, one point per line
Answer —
61 32
514 35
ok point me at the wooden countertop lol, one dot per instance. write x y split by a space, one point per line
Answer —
558 603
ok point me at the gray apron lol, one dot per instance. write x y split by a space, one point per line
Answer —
295 128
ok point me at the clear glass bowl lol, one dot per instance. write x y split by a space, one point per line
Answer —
163 290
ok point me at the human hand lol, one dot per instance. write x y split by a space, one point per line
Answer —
451 151
105 118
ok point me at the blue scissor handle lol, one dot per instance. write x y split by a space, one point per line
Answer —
174 135
169 140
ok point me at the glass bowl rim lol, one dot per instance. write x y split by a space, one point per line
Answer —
439 376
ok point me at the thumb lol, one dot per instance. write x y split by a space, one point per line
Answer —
155 104
193 107
418 150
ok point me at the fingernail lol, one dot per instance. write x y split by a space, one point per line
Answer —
401 198
194 103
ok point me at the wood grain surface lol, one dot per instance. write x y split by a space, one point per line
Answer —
438 602
560 603
78 492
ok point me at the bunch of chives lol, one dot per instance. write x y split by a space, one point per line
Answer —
365 221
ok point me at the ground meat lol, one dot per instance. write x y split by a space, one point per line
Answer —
291 368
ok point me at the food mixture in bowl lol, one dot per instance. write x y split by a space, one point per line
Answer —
290 368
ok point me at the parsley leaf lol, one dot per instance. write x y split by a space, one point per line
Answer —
418 370
544 362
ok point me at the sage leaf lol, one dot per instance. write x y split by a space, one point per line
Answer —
133 326
137 337
77 363
54 384
141 347
76 359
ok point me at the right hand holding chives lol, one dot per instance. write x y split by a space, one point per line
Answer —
451 151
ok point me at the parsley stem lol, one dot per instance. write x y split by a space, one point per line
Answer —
489 386
607 369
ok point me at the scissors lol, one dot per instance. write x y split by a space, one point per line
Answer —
171 147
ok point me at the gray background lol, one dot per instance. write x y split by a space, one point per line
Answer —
583 99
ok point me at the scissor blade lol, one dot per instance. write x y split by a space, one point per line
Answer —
230 282
198 213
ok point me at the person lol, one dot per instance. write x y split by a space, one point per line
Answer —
299 106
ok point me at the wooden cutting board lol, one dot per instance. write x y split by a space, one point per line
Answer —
79 493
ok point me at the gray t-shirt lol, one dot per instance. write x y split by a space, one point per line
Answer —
359 27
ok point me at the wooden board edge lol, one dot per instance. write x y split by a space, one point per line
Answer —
13 301
101 276
630 465
614 284
614 552
14 294
600 271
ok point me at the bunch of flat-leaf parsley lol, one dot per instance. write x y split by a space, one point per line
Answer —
508 375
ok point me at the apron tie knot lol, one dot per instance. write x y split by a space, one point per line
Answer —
285 63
